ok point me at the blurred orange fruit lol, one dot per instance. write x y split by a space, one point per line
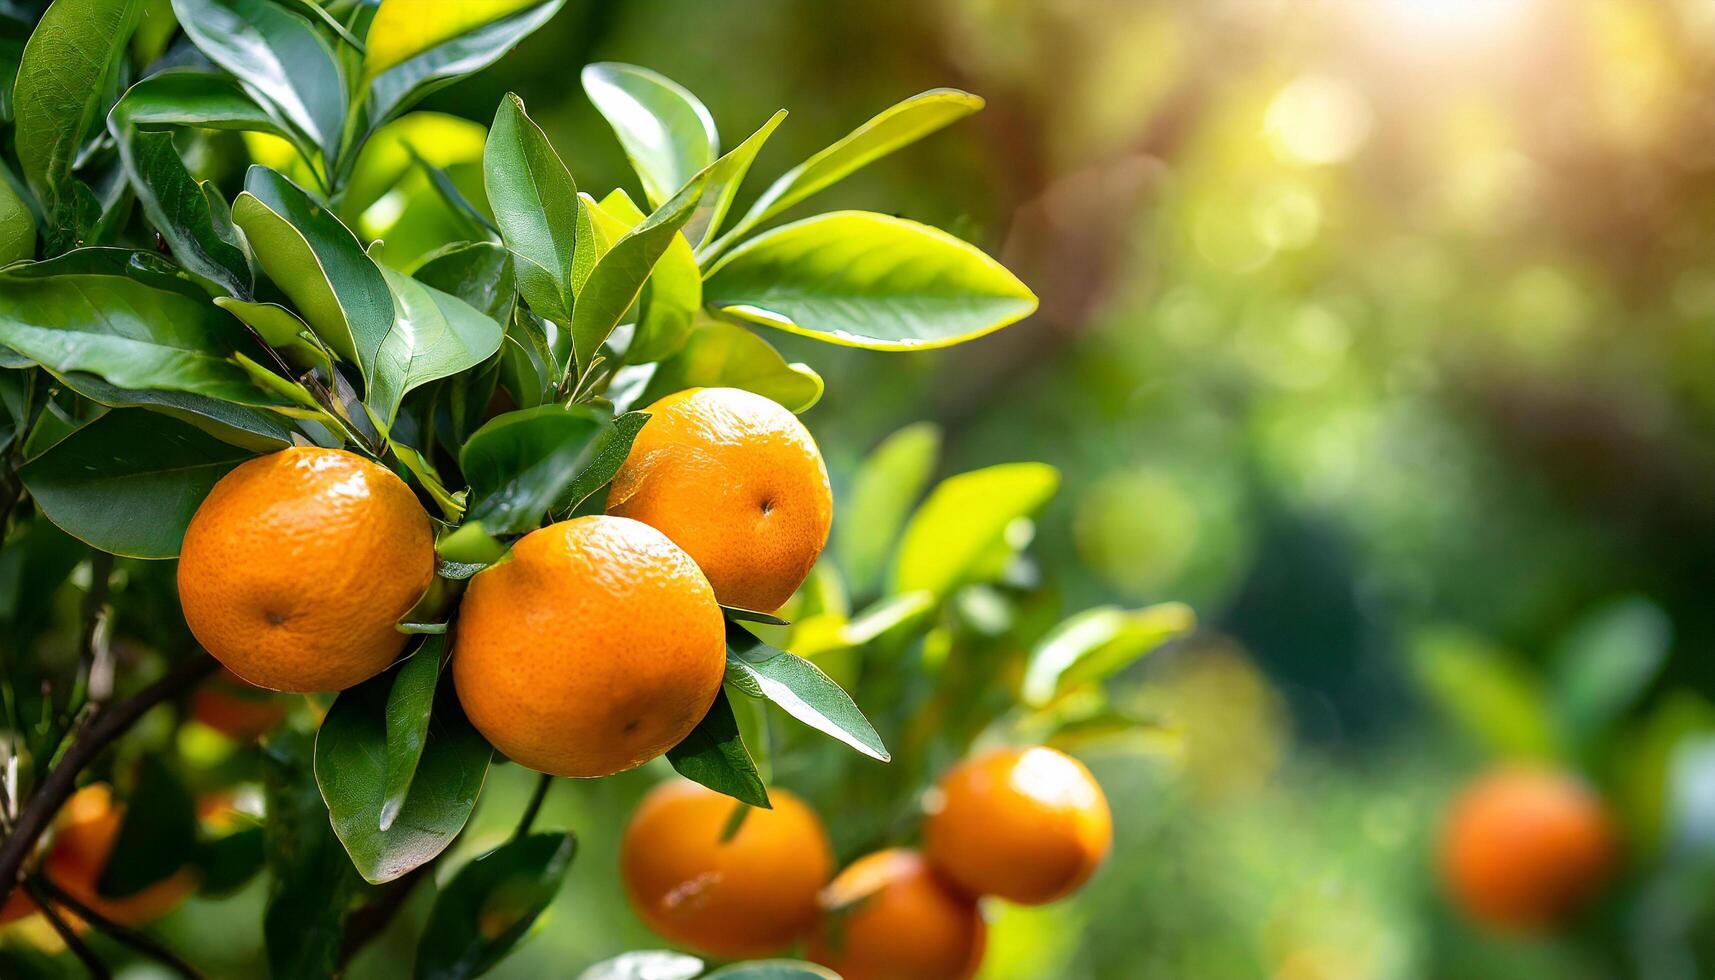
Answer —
238 710
298 564
18 905
736 481
595 646
1524 847
1025 824
752 895
890 916
84 834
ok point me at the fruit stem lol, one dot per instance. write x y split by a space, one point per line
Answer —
42 884
534 806
97 730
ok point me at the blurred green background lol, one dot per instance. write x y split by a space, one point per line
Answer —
1376 330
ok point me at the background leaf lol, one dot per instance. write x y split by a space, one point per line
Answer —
889 481
403 29
1606 662
490 904
399 87
1484 691
963 520
129 482
156 834
714 755
667 133
1095 644
351 758
312 880
868 280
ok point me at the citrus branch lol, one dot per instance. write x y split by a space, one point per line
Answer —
95 733
42 885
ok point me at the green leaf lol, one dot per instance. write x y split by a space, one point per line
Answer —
889 481
156 835
312 881
404 29
529 369
226 864
201 99
800 689
774 970
964 519
490 904
520 463
1484 691
410 702
316 261
277 54
397 88
1606 662
610 454
535 203
725 355
652 964
255 429
725 178
672 295
17 227
62 87
714 755
280 329
868 280
1095 644
129 482
741 615
619 274
179 210
667 134
480 273
351 762
898 126
434 335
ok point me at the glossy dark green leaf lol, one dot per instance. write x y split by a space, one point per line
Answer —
535 203
434 335
741 615
529 369
280 329
410 702
714 755
17 227
610 454
667 133
490 904
898 126
351 759
619 274
890 480
672 295
725 178
867 280
156 835
726 355
201 99
61 88
278 54
115 314
400 86
129 482
774 970
312 881
258 430
480 273
650 964
800 689
520 463
179 210
316 261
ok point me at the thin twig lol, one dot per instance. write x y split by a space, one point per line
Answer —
97 731
124 935
534 807
97 969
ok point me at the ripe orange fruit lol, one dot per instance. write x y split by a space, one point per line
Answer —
298 564
1523 848
890 916
736 481
595 646
235 709
1026 824
18 905
752 895
83 840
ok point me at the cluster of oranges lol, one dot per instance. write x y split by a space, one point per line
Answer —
595 645
1028 825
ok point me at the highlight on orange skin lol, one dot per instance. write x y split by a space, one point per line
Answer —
1029 825
891 916
751 895
1524 848
84 834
